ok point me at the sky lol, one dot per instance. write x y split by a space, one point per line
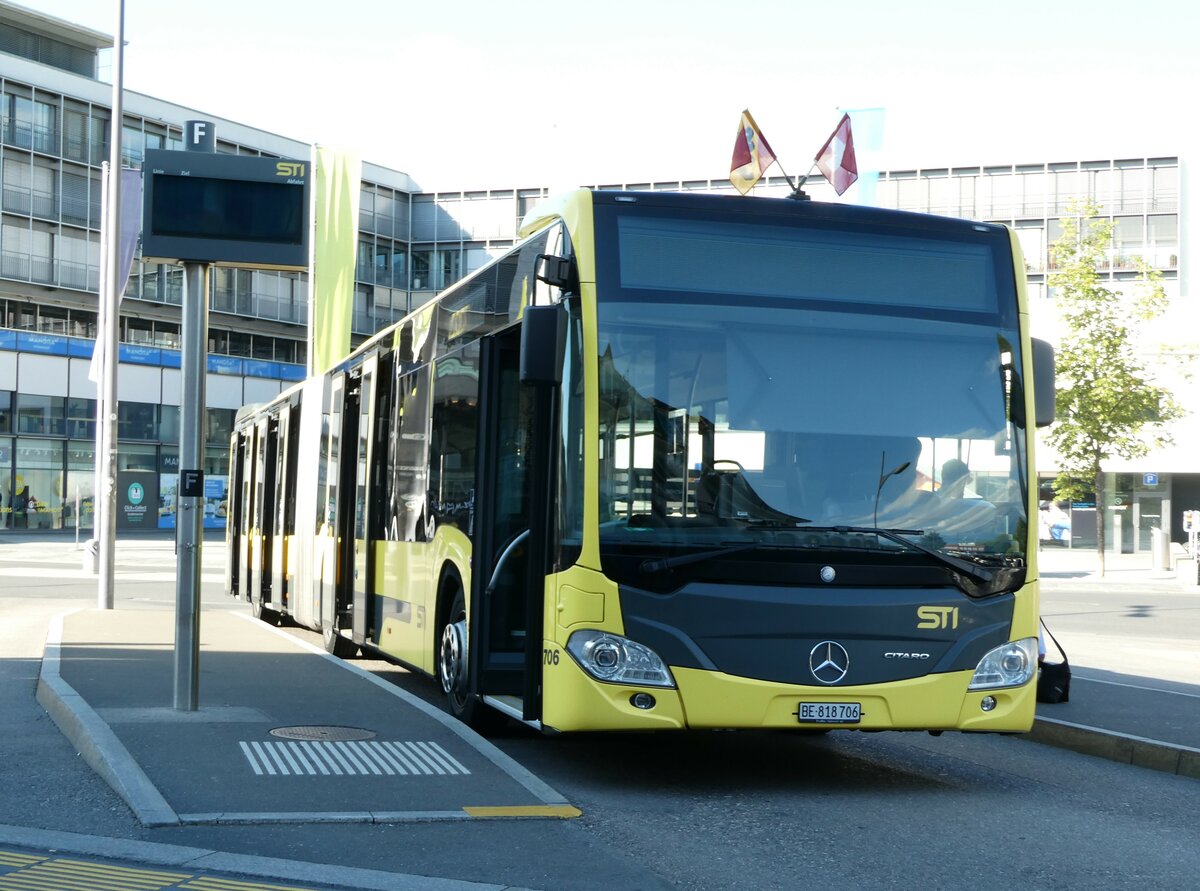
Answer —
466 94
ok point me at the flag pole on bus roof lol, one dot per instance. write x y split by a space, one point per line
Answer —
836 159
752 155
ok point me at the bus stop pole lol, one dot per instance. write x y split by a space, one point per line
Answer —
189 518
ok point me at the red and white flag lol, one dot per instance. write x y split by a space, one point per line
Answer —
836 159
752 155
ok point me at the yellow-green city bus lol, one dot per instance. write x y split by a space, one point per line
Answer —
678 461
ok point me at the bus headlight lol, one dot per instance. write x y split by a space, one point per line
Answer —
1010 665
618 660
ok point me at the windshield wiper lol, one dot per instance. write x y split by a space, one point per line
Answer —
973 579
684 559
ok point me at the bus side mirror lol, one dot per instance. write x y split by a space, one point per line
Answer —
543 343
558 272
1043 382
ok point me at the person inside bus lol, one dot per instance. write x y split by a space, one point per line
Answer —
959 511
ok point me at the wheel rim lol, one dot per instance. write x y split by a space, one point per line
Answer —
453 662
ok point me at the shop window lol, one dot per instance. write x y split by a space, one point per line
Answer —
37 494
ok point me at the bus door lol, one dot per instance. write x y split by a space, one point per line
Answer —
499 603
280 476
336 600
246 548
234 542
264 494
364 502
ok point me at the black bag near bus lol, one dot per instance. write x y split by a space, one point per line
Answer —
1054 678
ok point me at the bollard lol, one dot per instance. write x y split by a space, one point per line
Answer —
1160 553
91 554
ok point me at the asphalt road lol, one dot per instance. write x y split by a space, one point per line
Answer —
703 811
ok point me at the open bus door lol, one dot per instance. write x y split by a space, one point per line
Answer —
245 512
338 597
262 546
234 543
363 504
280 476
498 626
514 521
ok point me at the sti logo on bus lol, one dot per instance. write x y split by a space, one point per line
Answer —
289 168
937 617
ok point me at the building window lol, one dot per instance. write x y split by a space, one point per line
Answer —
137 420
420 270
41 255
168 423
98 130
72 250
1162 241
37 489
45 128
75 134
41 415
81 418
18 183
220 425
18 120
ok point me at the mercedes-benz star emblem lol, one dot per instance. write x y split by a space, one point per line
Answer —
829 662
828 573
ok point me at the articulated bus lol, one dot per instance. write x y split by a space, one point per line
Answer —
678 460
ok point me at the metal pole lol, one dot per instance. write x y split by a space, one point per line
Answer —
106 531
189 518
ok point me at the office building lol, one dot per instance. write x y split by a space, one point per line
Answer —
55 136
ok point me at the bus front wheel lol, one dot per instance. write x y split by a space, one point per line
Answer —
454 675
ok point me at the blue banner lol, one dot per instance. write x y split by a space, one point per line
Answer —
259 368
45 344
83 349
291 372
140 355
172 359
8 340
224 364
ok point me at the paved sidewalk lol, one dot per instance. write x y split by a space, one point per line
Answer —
1135 697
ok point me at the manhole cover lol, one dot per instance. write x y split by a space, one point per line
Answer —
331 734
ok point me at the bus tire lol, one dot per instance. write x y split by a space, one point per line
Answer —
265 614
336 644
461 700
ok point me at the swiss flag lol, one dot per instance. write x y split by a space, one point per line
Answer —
836 159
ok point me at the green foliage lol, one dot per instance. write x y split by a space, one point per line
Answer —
1107 403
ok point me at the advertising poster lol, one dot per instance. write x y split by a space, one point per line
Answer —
137 499
216 490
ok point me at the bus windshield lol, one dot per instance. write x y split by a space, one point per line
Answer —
809 403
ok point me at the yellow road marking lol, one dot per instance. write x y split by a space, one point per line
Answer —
562 811
33 873
10 858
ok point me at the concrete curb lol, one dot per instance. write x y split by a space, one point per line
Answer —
1136 750
95 741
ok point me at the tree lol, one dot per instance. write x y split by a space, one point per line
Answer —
1106 402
